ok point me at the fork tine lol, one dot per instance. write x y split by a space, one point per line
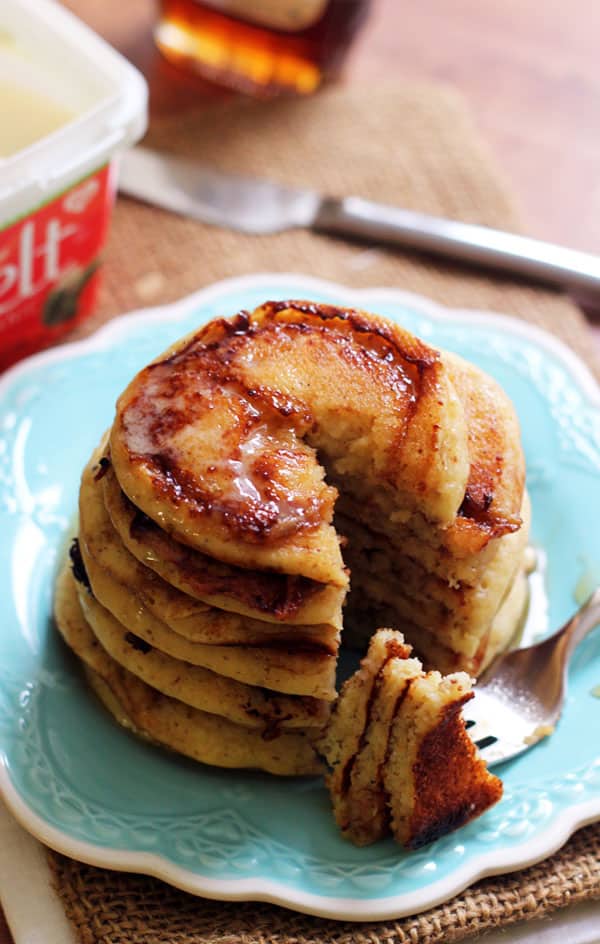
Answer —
487 741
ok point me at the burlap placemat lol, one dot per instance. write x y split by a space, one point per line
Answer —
411 145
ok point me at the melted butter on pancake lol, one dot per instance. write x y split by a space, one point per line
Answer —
204 442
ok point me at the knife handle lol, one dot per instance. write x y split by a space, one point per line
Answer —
480 245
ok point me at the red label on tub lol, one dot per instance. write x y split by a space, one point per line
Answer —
49 264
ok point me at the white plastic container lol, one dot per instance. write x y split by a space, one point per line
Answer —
57 193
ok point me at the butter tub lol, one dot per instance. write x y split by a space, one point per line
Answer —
69 103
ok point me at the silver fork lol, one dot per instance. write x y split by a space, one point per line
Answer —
519 699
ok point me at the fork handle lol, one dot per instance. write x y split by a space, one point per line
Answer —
584 621
480 245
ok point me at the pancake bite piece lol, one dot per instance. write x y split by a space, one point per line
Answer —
400 760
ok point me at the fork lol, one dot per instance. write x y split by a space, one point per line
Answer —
519 699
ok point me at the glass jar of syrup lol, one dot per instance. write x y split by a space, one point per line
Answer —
262 47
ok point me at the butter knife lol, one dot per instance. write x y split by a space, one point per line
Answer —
257 205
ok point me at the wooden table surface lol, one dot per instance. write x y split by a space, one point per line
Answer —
529 70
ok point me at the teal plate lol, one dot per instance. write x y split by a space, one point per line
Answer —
94 792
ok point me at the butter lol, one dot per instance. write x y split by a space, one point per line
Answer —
26 116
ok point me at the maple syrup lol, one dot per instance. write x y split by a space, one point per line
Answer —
262 47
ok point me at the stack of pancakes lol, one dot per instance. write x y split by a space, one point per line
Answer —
159 623
264 471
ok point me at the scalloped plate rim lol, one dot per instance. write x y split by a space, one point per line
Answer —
387 907
494 862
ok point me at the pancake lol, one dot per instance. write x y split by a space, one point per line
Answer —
452 624
264 595
491 504
400 589
433 775
108 560
197 734
292 671
507 623
366 814
343 739
400 760
247 705
458 606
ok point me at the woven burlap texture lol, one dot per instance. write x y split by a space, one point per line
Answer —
413 145
111 908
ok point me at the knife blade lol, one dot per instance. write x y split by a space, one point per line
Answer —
258 205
